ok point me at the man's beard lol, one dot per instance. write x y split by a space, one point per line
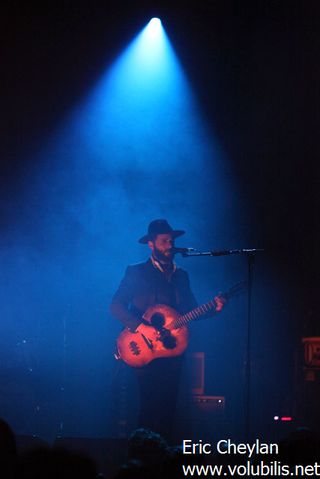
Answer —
161 257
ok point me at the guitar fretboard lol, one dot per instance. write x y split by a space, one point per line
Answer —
195 314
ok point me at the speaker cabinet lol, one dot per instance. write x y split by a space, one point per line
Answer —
208 418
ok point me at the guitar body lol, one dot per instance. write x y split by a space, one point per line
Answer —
160 338
164 332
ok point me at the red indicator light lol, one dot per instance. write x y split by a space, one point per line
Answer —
286 418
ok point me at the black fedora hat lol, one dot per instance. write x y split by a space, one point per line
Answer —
159 227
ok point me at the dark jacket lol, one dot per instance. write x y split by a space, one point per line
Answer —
143 286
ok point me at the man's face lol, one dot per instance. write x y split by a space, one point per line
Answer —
162 246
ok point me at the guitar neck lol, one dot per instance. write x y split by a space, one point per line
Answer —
205 308
195 313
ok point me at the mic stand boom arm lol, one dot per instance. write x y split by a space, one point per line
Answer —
223 252
250 254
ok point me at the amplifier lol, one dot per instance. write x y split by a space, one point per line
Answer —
208 419
311 352
208 403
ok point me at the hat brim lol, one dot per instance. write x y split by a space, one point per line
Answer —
174 233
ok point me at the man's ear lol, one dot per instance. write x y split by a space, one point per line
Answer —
151 245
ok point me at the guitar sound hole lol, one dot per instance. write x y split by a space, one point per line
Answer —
157 321
134 348
169 341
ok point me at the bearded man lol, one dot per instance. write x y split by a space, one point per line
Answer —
156 281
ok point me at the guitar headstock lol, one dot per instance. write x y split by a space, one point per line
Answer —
234 290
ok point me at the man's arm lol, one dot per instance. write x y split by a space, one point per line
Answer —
122 300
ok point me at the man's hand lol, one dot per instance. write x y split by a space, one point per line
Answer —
220 302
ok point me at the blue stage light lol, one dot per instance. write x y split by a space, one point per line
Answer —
154 28
154 24
143 97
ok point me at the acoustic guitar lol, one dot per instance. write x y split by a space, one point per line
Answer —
164 332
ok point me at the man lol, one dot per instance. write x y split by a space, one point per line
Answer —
157 281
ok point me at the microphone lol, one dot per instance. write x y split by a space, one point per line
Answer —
182 250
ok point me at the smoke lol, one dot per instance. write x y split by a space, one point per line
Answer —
132 151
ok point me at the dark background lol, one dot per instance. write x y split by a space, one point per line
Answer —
254 69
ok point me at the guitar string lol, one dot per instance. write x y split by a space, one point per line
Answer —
204 308
195 313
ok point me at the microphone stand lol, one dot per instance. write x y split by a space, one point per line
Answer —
250 254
